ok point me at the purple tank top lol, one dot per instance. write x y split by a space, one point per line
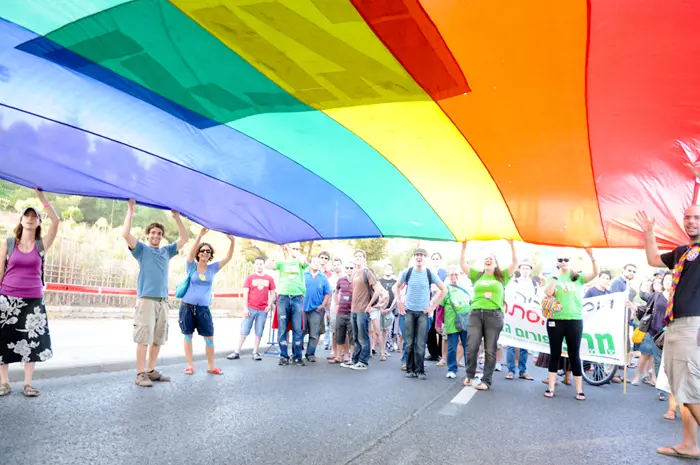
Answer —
23 275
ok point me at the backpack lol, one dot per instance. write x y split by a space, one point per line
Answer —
12 242
371 289
431 280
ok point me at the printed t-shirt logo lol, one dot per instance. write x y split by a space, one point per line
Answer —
568 287
291 270
260 283
692 255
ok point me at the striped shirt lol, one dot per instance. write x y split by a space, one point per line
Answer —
418 292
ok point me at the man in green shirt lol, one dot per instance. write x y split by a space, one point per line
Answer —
291 289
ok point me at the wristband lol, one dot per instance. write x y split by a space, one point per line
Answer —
555 278
129 213
47 205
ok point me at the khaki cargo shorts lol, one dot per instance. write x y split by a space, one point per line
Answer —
151 321
682 359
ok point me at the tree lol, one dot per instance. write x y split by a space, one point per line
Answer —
248 249
375 248
72 213
102 223
21 205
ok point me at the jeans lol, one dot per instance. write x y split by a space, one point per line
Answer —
453 340
416 324
487 324
360 336
290 307
522 361
257 319
313 326
657 363
402 330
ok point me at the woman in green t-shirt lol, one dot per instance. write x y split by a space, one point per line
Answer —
486 316
567 287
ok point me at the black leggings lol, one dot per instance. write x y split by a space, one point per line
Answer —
572 331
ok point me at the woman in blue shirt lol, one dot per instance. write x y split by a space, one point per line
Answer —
194 308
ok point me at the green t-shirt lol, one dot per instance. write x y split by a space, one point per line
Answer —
489 292
456 301
291 280
570 295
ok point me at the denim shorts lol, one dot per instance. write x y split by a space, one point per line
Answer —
196 317
256 317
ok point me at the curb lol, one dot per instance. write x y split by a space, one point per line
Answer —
17 374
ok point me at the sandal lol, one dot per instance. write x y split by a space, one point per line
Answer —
468 382
382 358
510 376
566 382
5 389
548 394
482 387
30 391
216 371
580 396
189 371
526 376
662 397
670 415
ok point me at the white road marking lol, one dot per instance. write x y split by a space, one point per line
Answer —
464 396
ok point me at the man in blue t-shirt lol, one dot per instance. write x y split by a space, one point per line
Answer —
317 298
418 308
151 315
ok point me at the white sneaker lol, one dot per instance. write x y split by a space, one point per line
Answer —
498 367
450 375
359 366
347 365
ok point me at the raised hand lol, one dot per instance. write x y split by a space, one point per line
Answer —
175 213
40 195
589 251
644 221
131 204
203 232
231 237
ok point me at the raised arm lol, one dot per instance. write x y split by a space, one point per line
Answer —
514 258
3 255
131 241
184 235
463 258
596 269
53 230
229 254
650 247
192 255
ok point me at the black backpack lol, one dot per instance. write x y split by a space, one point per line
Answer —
431 280
371 289
12 242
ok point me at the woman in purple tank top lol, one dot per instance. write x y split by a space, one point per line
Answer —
24 329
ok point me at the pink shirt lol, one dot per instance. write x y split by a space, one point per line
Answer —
23 275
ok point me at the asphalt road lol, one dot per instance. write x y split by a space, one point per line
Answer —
323 414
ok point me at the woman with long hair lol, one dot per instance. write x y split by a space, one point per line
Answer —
567 320
486 315
24 328
194 307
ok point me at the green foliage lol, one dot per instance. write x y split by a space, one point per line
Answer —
102 223
375 248
248 249
73 213
399 261
21 205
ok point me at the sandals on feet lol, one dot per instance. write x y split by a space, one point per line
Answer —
30 391
189 371
482 387
468 382
5 389
580 396
510 376
216 371
669 415
548 394
526 376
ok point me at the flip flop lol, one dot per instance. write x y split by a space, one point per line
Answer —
675 453
482 387
467 382
580 396
216 371
189 371
510 376
527 377
548 394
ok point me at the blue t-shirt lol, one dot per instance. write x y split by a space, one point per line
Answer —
316 289
153 270
199 290
418 292
595 292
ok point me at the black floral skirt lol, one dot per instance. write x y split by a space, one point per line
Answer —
24 331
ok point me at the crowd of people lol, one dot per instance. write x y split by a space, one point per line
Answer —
457 313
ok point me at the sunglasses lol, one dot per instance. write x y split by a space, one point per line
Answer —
205 251
563 260
349 268
324 258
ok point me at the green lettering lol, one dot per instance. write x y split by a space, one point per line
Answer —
589 341
601 339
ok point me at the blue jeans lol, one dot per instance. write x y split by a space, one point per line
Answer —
416 322
522 361
452 341
290 307
313 325
657 364
360 336
402 329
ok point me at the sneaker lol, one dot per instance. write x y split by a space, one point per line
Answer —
256 356
299 363
233 356
450 375
410 374
359 366
157 376
422 376
327 347
498 367
311 358
347 365
143 380
284 361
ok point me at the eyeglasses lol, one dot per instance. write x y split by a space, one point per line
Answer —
323 257
204 250
632 271
349 268
563 260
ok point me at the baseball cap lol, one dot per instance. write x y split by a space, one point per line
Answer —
526 262
36 210
421 251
